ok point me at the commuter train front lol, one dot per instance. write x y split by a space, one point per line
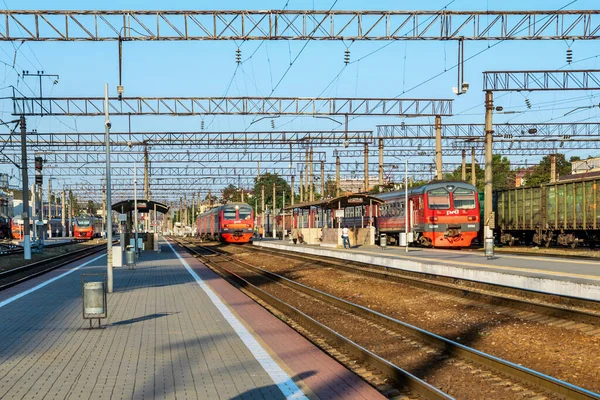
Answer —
232 223
440 214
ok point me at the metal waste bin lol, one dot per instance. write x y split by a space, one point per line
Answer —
130 257
94 298
383 240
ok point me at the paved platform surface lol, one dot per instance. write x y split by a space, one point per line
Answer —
582 277
175 330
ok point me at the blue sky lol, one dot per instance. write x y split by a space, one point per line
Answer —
398 69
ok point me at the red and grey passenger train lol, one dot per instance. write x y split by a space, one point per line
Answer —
232 223
440 214
87 226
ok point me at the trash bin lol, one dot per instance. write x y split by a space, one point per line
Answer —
130 257
93 295
383 240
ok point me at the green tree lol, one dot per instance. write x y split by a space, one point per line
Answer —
91 207
267 179
231 194
330 188
541 172
502 178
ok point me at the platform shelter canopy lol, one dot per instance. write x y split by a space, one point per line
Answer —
347 200
143 206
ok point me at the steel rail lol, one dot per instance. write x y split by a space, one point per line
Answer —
450 347
467 288
73 256
399 375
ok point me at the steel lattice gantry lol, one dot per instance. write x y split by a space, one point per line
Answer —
57 157
187 106
500 130
142 25
178 171
506 81
91 141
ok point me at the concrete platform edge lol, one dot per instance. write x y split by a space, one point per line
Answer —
541 284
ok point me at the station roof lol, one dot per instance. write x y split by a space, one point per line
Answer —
143 206
347 200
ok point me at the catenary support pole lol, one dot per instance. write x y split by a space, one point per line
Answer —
380 180
438 148
262 200
109 261
552 168
406 206
301 188
25 188
135 210
322 179
273 227
292 191
473 170
366 168
487 210
464 166
337 176
63 214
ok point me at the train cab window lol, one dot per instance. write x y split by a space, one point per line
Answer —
464 199
229 213
83 221
245 213
438 199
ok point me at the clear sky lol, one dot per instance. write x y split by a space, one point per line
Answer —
409 69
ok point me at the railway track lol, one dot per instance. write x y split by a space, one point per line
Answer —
551 305
390 353
8 248
20 274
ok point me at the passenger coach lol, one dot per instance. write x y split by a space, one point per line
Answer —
233 223
440 214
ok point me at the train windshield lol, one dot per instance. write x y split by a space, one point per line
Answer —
245 213
438 199
464 199
229 213
83 221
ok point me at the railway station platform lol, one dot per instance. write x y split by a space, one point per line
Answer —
174 329
564 276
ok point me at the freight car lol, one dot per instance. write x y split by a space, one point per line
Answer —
233 223
564 212
440 214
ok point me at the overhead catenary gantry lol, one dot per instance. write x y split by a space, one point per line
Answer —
187 156
189 106
152 25
507 81
478 130
83 141
171 171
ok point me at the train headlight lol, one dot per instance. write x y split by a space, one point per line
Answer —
471 218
